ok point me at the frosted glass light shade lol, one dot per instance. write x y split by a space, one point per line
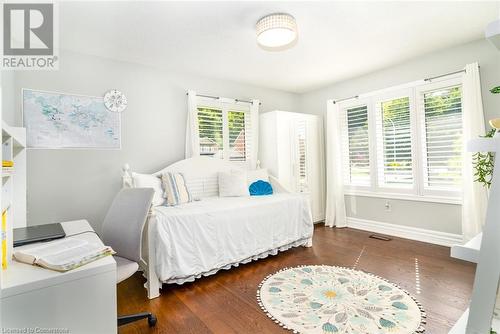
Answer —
276 31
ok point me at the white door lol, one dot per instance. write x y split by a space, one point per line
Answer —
307 162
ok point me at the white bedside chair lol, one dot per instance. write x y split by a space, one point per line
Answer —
122 230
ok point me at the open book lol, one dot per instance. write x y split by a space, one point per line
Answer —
62 255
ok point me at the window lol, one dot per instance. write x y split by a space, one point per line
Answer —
443 138
224 130
210 131
238 145
406 142
356 145
394 136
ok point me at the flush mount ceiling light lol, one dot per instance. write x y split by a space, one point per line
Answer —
276 31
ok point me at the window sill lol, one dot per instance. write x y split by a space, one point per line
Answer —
406 197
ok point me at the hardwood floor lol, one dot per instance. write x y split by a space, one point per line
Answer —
225 302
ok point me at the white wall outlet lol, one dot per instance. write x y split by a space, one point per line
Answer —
387 206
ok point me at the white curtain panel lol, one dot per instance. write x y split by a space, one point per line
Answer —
254 120
335 204
475 197
192 138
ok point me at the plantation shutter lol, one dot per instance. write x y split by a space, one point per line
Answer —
225 132
210 128
442 149
301 155
354 125
394 149
239 129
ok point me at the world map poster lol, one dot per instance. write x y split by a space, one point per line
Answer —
55 120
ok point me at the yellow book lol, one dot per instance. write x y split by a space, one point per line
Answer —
7 163
4 239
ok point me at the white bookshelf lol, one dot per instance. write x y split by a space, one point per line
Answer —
13 198
483 249
460 325
468 251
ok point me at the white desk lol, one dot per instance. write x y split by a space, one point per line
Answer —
82 300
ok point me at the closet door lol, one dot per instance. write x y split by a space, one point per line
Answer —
316 166
291 147
307 161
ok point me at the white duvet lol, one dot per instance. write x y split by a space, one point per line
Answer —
202 237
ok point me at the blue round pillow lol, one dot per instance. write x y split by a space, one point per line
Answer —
260 188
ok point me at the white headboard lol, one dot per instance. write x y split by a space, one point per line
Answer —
199 166
201 174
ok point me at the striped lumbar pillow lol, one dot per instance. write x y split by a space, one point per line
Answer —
175 189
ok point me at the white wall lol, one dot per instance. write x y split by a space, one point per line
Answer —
439 217
72 184
8 96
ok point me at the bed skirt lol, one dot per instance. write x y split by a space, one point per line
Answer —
307 242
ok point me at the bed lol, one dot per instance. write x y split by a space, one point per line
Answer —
188 241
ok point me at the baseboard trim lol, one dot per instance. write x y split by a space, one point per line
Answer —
413 233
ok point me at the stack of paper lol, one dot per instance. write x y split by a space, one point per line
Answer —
62 255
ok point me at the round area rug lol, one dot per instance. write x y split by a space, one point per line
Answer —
327 299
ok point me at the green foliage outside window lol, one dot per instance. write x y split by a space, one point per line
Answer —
396 140
236 125
357 126
441 109
211 132
210 125
444 105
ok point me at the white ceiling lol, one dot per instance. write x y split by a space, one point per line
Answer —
337 40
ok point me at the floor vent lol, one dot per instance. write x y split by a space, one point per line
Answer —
380 237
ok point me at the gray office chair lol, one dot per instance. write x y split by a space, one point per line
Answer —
122 230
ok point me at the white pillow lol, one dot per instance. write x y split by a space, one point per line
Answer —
256 175
233 183
175 189
150 181
202 186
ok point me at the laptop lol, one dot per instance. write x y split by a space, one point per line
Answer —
37 233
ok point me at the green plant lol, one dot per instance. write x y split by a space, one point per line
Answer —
483 164
485 161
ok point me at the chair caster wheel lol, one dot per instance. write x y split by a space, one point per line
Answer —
152 320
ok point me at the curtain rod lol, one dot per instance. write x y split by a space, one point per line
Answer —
218 97
426 79
345 99
444 75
